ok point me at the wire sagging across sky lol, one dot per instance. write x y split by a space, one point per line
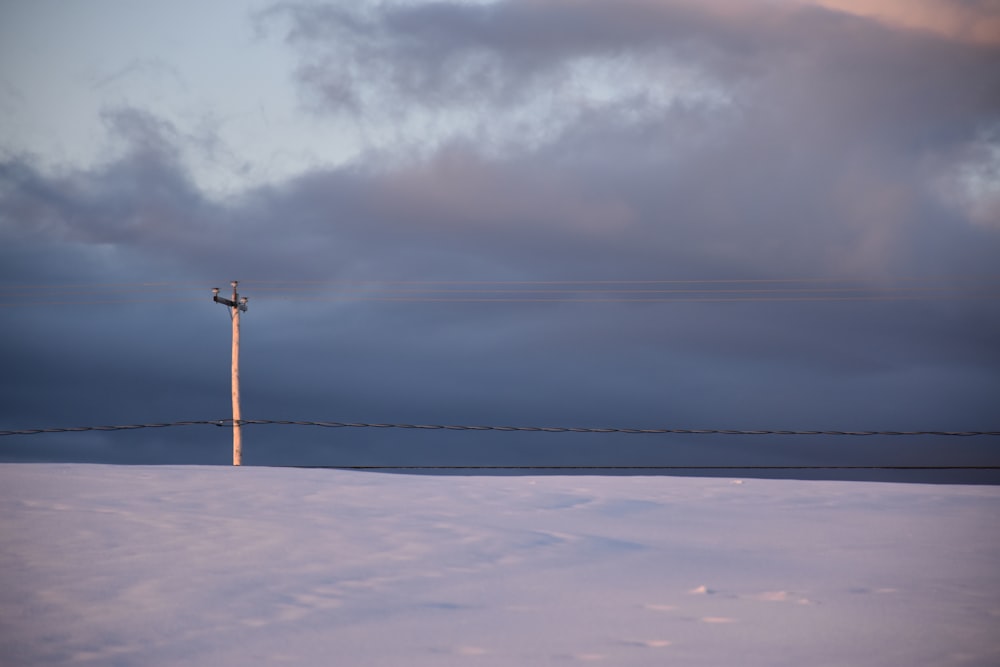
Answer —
504 429
526 291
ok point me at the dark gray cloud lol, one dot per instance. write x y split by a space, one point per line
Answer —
817 145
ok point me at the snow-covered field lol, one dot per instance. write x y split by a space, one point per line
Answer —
217 566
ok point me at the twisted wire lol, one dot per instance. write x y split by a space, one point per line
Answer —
691 467
528 429
117 427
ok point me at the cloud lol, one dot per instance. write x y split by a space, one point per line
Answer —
140 197
970 180
976 21
529 67
711 86
518 145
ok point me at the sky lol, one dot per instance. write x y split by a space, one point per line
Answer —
636 214
208 566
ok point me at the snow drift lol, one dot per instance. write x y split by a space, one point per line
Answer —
160 566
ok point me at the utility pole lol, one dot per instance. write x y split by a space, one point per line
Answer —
236 306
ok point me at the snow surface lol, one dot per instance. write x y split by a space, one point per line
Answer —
219 566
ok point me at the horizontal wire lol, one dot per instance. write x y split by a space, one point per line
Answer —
572 429
117 427
591 467
498 300
9 287
558 291
7 293
593 290
719 281
951 279
419 299
360 293
529 429
97 302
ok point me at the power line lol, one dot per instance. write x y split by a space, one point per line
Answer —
96 302
605 290
522 429
544 291
116 287
572 429
119 427
592 467
953 281
473 298
740 299
682 281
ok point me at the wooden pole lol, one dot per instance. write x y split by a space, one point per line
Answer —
235 306
237 434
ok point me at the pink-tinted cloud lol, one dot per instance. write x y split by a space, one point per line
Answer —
976 21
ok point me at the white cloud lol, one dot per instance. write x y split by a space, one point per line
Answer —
972 182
